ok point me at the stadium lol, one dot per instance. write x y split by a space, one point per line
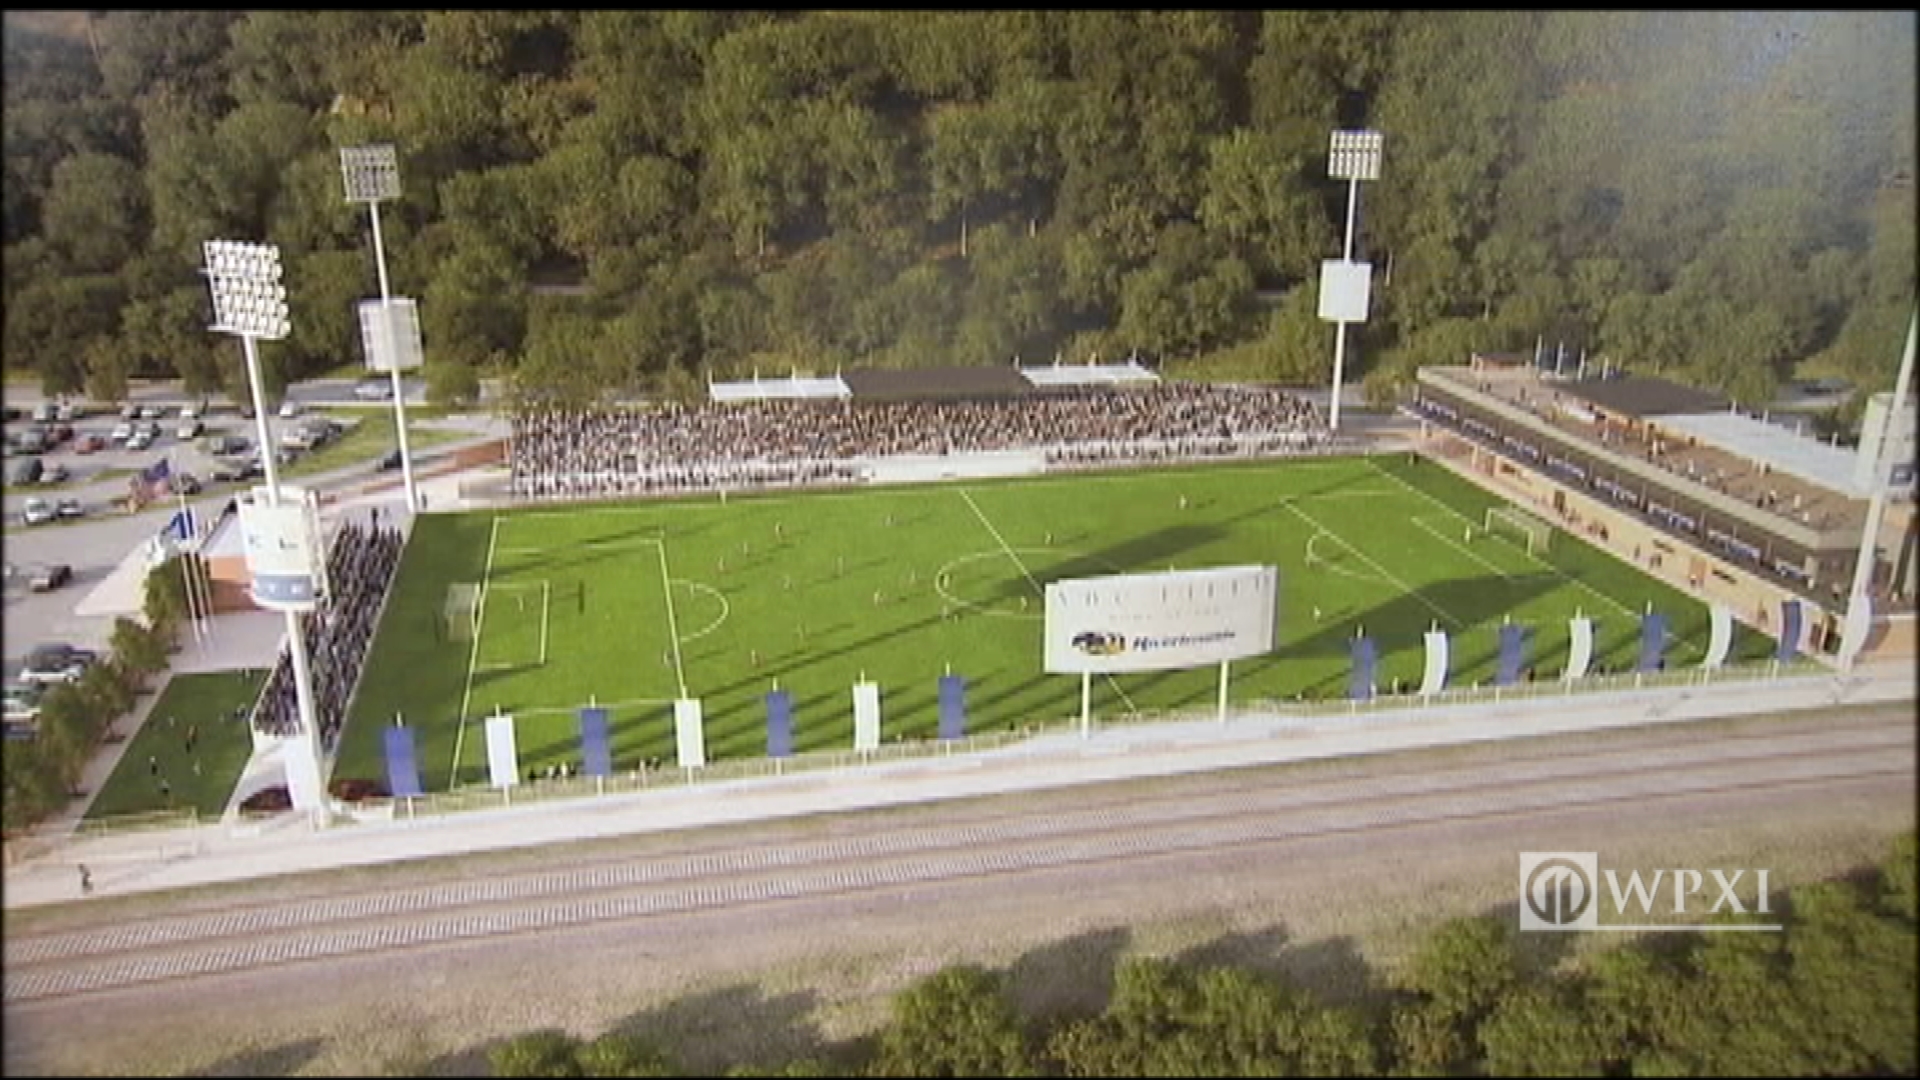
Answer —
750 573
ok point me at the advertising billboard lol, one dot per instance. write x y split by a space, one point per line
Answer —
1160 622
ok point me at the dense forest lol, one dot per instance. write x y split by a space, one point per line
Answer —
1725 198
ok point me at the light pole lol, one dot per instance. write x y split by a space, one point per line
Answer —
372 174
249 301
1345 284
1859 607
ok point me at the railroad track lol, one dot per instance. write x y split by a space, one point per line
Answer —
994 837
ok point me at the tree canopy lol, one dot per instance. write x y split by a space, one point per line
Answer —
1722 197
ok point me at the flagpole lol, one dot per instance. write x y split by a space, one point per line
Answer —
183 521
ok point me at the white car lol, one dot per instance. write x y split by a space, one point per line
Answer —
289 409
38 511
373 390
189 428
122 431
56 663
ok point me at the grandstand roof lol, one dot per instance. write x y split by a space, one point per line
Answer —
1639 395
937 384
1763 443
1088 374
790 387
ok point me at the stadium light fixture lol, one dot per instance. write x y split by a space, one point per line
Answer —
1353 156
249 301
371 175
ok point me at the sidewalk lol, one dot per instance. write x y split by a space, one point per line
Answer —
214 853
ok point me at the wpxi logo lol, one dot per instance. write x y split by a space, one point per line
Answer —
1563 890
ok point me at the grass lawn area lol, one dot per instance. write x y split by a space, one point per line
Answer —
368 437
630 605
221 751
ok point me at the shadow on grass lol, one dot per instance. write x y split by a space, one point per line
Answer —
287 1059
1067 979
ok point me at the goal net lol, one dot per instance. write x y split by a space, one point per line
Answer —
460 615
1517 525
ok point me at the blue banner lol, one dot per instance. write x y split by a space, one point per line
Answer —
596 752
1789 630
1513 654
953 707
780 724
403 774
1360 686
1653 641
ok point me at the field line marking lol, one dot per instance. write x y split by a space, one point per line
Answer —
1421 523
1549 567
1287 504
546 602
1031 580
673 627
473 655
1314 558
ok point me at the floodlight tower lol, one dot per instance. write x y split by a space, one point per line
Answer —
1345 284
390 330
285 556
1859 616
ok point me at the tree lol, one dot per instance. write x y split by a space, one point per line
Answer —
140 650
95 212
954 1023
1541 1031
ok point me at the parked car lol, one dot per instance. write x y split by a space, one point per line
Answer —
37 511
189 428
236 470
50 577
33 440
60 433
139 440
43 412
193 410
129 411
57 663
389 462
122 431
55 473
89 444
28 471
67 412
186 483
373 390
151 412
69 507
23 701
289 409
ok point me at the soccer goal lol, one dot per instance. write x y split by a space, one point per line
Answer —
460 615
1510 521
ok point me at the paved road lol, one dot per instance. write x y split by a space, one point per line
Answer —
1189 844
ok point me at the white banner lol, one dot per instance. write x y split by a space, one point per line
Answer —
1159 622
1435 678
866 716
689 732
503 760
1856 629
282 551
1580 652
1720 639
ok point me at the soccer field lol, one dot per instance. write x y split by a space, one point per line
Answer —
632 605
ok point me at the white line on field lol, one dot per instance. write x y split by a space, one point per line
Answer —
473 655
673 628
1287 504
1031 580
1421 523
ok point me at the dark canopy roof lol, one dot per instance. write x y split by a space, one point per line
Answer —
937 384
1640 395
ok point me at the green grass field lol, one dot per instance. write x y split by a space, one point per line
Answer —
205 702
633 604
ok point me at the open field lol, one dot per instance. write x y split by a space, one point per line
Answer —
201 779
631 605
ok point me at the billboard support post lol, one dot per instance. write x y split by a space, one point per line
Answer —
1223 690
1086 704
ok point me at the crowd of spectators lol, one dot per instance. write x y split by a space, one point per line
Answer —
571 452
360 567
